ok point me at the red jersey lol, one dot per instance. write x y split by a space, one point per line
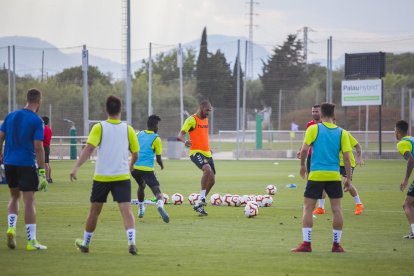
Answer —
312 122
47 136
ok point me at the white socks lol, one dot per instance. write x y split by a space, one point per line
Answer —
307 234
412 228
202 194
160 203
337 236
12 220
357 200
131 236
322 203
31 232
87 236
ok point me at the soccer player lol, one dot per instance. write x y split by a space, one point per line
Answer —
115 140
197 128
46 146
23 132
327 141
359 207
405 147
149 145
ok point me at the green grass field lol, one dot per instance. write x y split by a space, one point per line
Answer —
225 242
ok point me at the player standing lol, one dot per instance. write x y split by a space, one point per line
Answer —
46 146
405 147
327 141
149 145
115 140
23 132
197 128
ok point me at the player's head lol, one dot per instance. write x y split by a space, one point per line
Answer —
152 123
328 110
34 97
316 115
113 105
204 109
45 120
401 129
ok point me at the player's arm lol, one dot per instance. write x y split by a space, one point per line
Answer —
410 165
133 147
40 154
2 137
346 149
85 155
358 158
303 154
188 124
158 152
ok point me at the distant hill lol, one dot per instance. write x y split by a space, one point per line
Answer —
29 55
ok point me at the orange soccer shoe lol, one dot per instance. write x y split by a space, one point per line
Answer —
319 211
359 208
303 247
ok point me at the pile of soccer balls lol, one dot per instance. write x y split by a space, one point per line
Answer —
251 203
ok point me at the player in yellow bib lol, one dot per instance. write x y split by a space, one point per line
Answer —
327 141
115 140
197 128
405 147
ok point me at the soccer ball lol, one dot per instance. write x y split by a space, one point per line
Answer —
177 199
215 199
193 198
271 189
267 200
244 199
251 209
227 199
235 201
259 199
165 197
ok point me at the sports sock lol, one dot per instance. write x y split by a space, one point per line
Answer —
160 203
307 234
202 194
357 199
412 228
131 236
322 203
12 220
337 236
31 232
87 236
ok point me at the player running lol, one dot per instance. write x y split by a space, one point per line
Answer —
405 147
197 128
149 145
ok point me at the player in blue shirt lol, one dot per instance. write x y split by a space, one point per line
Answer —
22 130
149 145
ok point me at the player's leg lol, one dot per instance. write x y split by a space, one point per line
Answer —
334 191
212 179
152 181
12 177
137 175
320 210
359 207
408 207
202 163
47 165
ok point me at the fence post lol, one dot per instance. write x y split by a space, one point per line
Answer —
259 120
73 153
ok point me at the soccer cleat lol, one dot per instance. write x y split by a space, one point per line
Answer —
303 247
319 211
359 208
11 237
35 245
50 180
337 248
132 249
82 248
200 209
163 214
202 202
141 211
409 236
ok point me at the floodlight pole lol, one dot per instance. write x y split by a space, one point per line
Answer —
238 97
85 65
150 81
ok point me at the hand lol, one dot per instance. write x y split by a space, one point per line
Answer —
303 172
347 184
73 174
42 181
187 143
131 167
360 162
403 185
298 155
162 166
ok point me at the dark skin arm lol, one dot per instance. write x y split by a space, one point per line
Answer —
159 161
410 165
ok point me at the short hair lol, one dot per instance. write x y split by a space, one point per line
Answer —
328 110
113 105
316 106
45 120
153 121
402 126
205 103
33 96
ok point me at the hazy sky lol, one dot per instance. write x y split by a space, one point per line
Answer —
355 25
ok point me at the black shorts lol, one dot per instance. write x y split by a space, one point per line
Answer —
23 178
47 153
200 160
342 171
314 189
145 177
121 191
410 191
308 161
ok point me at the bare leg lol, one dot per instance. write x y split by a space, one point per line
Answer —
94 212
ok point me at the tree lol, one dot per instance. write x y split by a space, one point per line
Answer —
202 68
220 87
284 70
234 81
74 75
